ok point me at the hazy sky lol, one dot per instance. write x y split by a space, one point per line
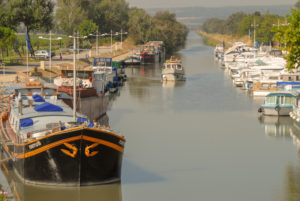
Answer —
205 3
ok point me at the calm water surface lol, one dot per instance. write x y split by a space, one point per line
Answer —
200 140
194 141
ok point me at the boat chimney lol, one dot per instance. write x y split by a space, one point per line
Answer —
20 103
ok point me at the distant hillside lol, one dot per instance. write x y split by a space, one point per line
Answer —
193 16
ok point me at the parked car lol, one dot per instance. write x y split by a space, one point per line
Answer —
44 54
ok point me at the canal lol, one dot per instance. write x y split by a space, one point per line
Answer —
198 140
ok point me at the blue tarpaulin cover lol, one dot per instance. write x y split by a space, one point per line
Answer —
47 107
288 83
26 122
38 98
81 119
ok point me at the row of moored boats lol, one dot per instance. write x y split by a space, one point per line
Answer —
262 71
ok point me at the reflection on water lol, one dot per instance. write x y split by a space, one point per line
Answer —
276 126
292 189
24 192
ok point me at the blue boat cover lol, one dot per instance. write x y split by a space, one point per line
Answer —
91 125
26 122
288 83
81 119
47 107
38 98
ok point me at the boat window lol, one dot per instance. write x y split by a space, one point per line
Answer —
273 85
83 75
280 100
35 91
290 79
290 100
271 100
49 92
297 78
265 86
179 67
24 91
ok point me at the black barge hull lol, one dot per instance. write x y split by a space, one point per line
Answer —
73 157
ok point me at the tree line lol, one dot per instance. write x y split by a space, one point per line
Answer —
240 24
86 17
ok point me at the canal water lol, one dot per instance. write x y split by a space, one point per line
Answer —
202 139
193 141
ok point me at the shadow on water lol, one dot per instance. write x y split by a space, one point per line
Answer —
134 174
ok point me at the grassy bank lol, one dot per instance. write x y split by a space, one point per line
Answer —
214 39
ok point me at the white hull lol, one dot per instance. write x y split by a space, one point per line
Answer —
281 111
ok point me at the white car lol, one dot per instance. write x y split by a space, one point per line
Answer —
44 53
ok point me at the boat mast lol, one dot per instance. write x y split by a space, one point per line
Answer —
74 78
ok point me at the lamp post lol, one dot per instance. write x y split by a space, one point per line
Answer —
122 33
74 72
254 25
50 53
97 36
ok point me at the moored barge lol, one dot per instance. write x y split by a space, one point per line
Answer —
47 143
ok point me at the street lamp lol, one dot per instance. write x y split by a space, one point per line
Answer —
97 35
111 35
74 72
50 59
122 33
254 25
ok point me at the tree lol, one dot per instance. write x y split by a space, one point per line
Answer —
297 4
139 25
7 39
111 15
33 14
87 27
172 32
292 39
69 15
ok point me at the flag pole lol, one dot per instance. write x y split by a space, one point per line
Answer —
27 52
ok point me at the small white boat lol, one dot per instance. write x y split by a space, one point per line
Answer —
279 103
173 70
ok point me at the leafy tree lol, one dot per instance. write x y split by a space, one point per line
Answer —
34 14
292 38
172 32
110 15
213 25
139 25
87 27
297 4
69 15
7 38
231 24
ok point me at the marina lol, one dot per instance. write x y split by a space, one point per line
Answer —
209 155
143 105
